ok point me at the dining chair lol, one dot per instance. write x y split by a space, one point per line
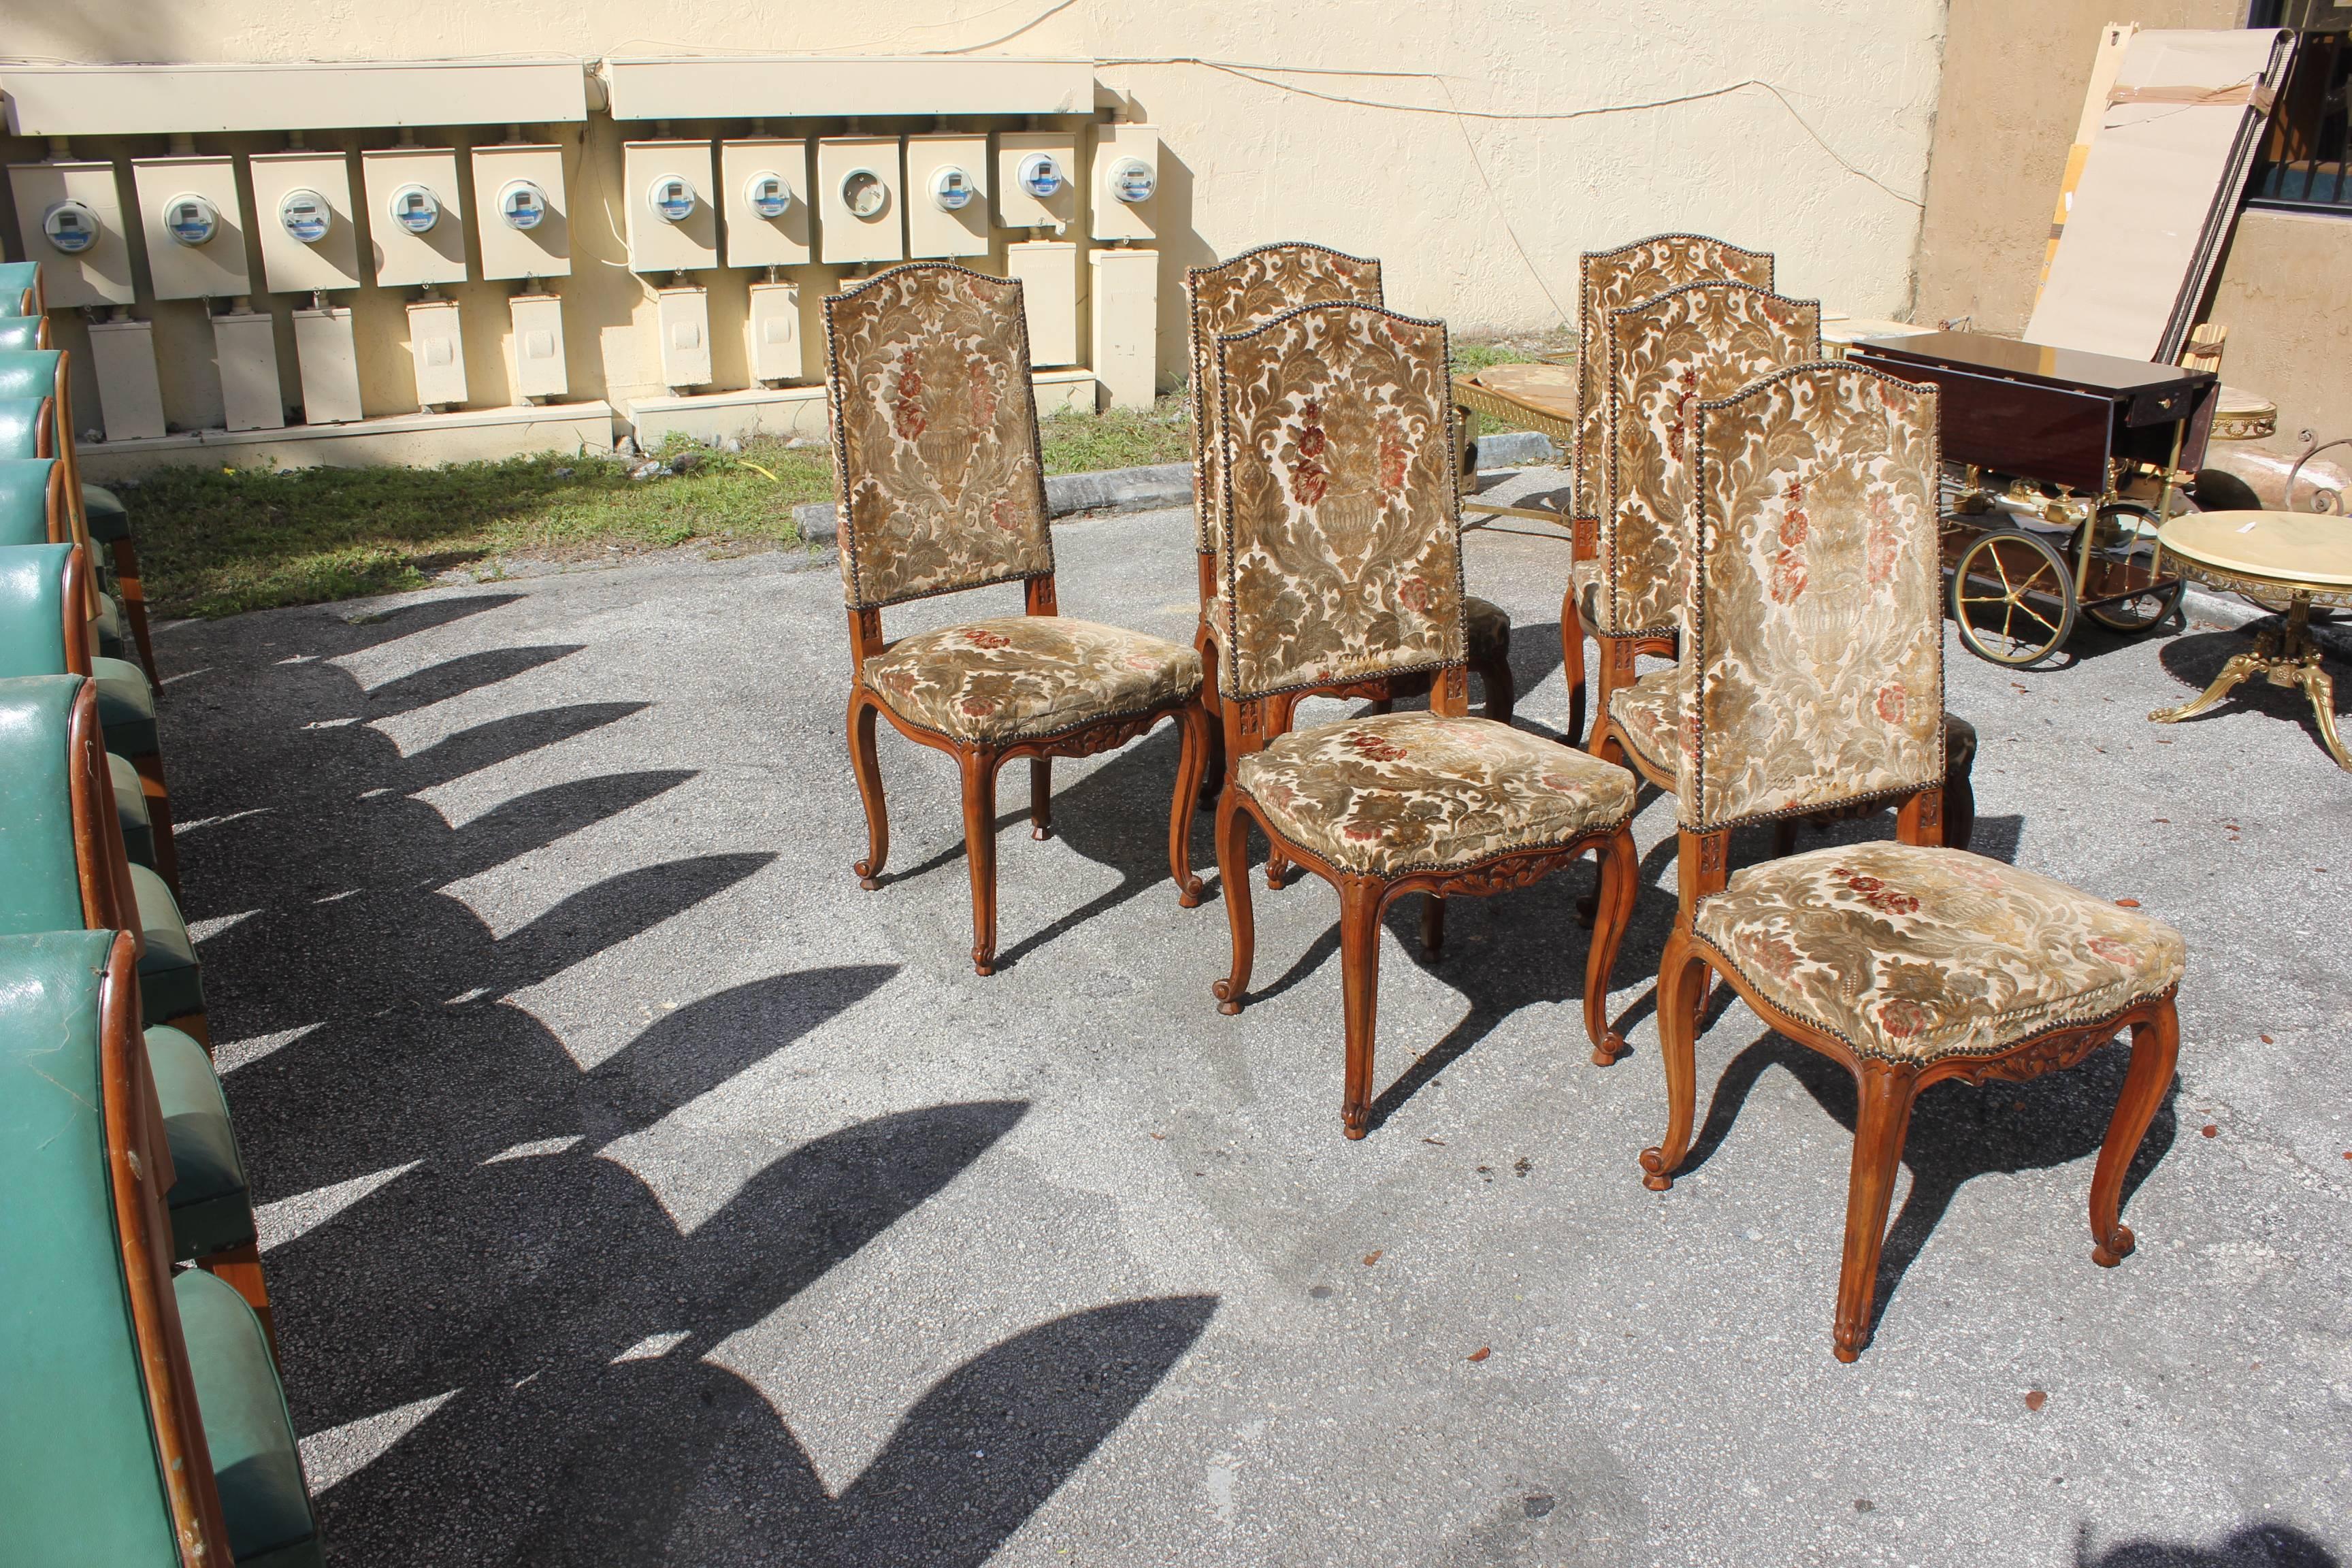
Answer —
942 489
1341 563
1815 660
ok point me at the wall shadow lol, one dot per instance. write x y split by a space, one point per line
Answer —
2264 1545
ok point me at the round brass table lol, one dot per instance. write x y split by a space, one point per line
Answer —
2303 558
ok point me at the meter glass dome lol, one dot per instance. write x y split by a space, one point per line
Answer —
864 193
71 227
1132 180
951 189
1041 176
673 199
767 195
191 219
305 215
415 209
522 205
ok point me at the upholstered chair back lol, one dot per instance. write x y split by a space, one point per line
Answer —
20 288
23 332
25 428
1672 353
37 584
1607 279
934 434
1812 627
1234 296
32 501
1341 559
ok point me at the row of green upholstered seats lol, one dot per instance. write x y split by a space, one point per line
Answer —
145 1422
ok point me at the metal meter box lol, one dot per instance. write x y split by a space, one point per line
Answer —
860 196
1125 195
1125 305
302 212
682 234
756 178
130 391
189 211
1037 178
89 261
245 343
416 220
433 342
1048 272
946 196
683 316
772 331
330 365
525 226
539 368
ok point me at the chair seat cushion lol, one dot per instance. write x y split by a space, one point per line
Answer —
130 810
1487 627
126 707
111 638
1909 953
1394 793
110 520
210 1203
255 1462
1648 713
1020 678
171 985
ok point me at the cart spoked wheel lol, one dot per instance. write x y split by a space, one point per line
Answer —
2126 533
2013 598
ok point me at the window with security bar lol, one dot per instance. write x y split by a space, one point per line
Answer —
2306 163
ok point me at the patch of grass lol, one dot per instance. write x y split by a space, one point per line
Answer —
1470 356
220 542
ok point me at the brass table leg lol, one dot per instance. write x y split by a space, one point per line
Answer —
2283 656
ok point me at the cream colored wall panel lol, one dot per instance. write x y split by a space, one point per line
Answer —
99 274
683 316
1124 305
754 239
539 366
438 347
658 243
525 226
169 191
1048 272
939 170
330 363
156 100
130 394
1126 165
1020 206
404 258
315 184
245 344
864 170
772 331
746 87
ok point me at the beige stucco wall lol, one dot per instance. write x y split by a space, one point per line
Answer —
1479 219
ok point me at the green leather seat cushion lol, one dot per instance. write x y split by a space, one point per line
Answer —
126 707
211 1203
110 520
112 641
171 983
255 1462
130 810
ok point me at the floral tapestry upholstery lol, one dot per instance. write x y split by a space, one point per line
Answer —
1611 280
1404 792
1487 637
1342 555
934 434
1812 625
1650 714
1912 954
1019 677
1233 296
1670 353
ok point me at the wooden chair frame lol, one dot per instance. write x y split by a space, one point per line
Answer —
79 637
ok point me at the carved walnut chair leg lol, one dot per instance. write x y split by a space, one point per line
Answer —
158 794
1881 1118
1212 778
1360 988
134 600
2155 1044
1233 880
869 769
1041 797
1433 922
1620 868
1193 730
1617 669
1572 662
1682 984
979 848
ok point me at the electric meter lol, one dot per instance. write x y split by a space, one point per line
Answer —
523 204
415 209
1041 175
672 199
864 193
191 219
767 195
303 214
71 227
951 188
1133 181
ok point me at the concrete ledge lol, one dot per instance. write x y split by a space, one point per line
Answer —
417 440
1514 449
787 411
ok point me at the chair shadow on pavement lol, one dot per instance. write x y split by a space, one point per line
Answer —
561 1318
2264 1545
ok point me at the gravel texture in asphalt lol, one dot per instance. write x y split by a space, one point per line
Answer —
637 1189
